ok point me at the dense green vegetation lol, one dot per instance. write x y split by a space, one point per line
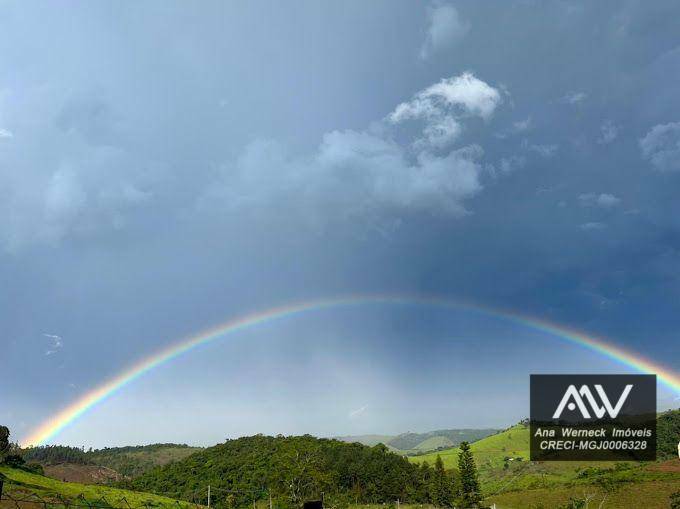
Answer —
668 434
9 454
470 491
294 469
127 461
369 440
52 454
134 461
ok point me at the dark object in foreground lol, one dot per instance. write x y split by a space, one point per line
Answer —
313 504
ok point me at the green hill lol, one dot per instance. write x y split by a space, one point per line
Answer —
134 461
512 481
417 443
126 461
490 451
435 443
644 494
291 470
20 484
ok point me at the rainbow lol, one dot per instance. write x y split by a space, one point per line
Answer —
57 422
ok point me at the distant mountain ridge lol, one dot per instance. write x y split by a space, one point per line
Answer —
418 443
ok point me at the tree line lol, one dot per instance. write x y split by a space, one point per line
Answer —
294 469
129 461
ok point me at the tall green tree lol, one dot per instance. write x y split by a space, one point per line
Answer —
441 485
469 495
667 432
4 441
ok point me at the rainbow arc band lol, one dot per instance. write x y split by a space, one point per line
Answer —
53 425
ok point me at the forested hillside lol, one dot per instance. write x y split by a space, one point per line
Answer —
294 469
668 433
127 461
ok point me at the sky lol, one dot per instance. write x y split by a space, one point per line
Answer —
166 166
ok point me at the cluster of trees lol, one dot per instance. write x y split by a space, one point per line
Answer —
10 454
294 469
667 433
453 488
133 461
55 454
128 461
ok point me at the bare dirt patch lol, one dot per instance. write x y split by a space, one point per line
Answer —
84 474
666 466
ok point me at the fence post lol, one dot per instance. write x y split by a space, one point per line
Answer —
2 482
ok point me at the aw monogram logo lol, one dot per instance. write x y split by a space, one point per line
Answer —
573 399
592 418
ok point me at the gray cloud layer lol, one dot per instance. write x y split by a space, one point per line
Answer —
164 167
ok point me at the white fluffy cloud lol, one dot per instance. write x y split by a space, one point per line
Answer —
368 174
470 95
364 175
661 146
352 175
445 29
443 105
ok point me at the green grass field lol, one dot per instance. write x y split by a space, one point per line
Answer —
510 480
21 484
639 495
434 443
489 452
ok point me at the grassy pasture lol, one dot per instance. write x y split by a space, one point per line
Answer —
639 495
510 480
19 484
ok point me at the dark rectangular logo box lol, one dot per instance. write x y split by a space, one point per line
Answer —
593 418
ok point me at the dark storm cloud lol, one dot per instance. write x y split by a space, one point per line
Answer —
163 166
